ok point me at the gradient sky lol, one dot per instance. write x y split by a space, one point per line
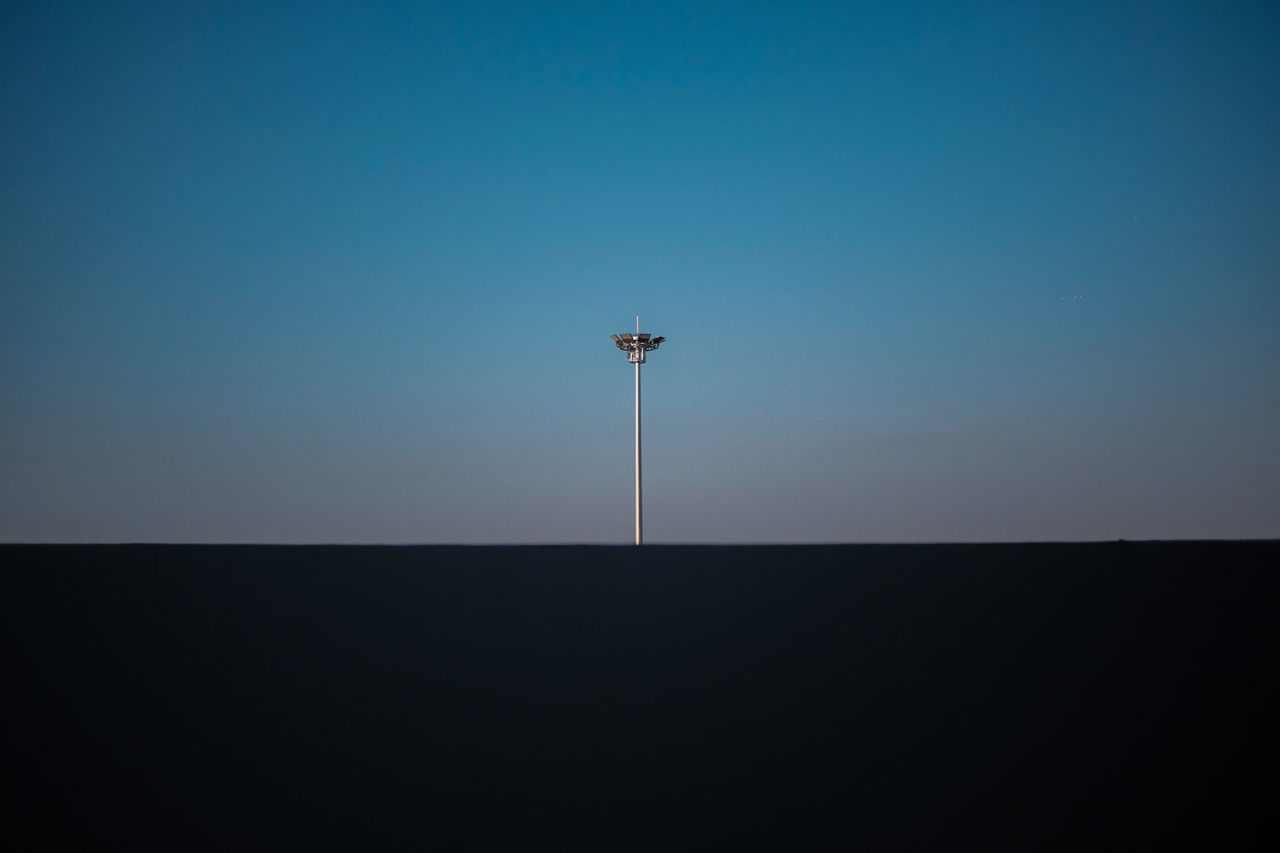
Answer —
346 272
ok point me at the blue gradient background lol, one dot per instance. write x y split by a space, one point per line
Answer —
328 272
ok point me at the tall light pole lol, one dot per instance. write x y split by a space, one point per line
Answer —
635 346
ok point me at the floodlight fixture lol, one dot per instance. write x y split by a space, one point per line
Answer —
635 346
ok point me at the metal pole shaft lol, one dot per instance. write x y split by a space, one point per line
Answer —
638 516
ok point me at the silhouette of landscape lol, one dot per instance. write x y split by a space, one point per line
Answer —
810 697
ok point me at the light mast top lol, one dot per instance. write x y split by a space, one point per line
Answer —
635 346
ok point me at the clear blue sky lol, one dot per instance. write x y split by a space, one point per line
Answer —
346 272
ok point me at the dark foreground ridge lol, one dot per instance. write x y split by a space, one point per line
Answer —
1119 695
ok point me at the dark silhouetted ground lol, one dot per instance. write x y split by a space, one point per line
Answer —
1117 695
